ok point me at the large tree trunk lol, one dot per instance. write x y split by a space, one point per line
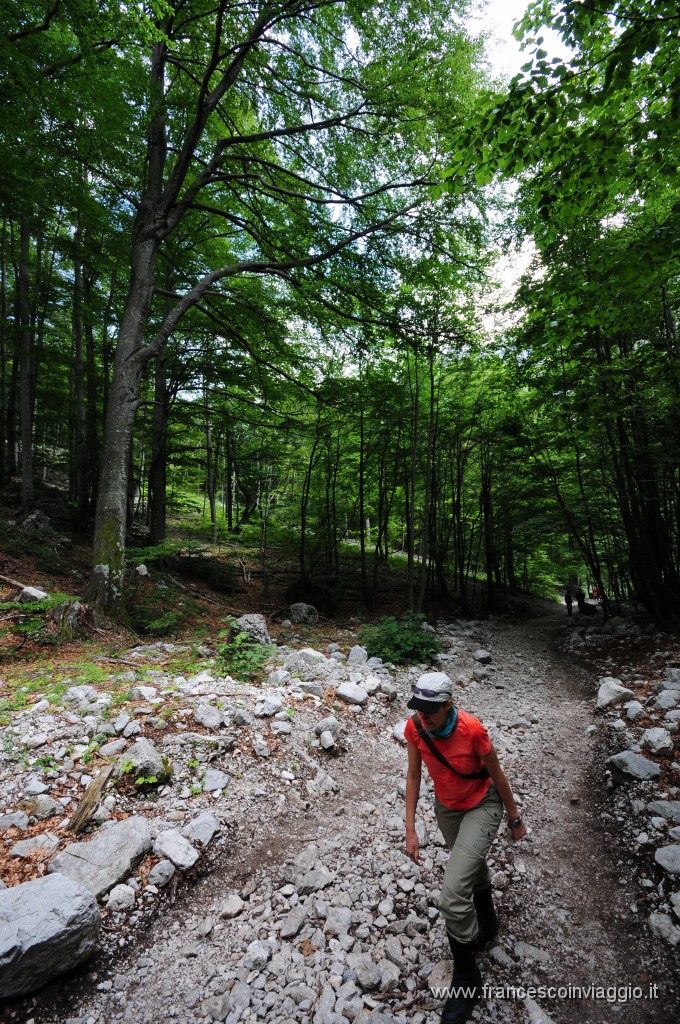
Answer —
159 453
26 366
4 454
106 587
80 482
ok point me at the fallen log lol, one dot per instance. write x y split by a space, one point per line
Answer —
88 805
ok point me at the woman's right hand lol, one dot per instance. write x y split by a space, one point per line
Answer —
412 845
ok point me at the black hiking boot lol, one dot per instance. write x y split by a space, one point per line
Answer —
486 916
466 983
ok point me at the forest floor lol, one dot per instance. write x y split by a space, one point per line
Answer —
573 897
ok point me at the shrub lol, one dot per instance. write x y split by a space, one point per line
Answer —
242 656
400 640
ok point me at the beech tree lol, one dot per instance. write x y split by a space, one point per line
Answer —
271 122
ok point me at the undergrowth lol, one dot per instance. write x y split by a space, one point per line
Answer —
400 641
241 656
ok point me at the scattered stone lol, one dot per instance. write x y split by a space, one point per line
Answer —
612 691
483 657
367 972
113 748
667 699
209 716
330 725
536 1014
326 740
634 710
524 951
338 921
214 780
633 766
314 880
270 706
232 906
260 746
15 819
42 807
142 761
293 922
43 845
662 926
217 1007
161 873
279 677
47 926
29 594
121 897
352 693
398 732
80 695
657 741
203 828
175 847
357 656
257 955
666 808
669 859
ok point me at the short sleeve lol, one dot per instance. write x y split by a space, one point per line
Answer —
482 742
410 732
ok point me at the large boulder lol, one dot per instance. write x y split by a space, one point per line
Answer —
108 858
47 926
304 613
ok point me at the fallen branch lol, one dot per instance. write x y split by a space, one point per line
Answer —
12 583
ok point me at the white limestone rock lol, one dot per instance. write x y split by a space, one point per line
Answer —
175 847
612 691
47 926
657 741
108 858
352 693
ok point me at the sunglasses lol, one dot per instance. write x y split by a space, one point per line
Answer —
443 697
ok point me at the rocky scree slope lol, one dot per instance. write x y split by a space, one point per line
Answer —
288 800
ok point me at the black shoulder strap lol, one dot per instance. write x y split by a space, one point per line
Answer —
483 774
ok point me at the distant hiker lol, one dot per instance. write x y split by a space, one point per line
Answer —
580 599
568 600
596 591
470 789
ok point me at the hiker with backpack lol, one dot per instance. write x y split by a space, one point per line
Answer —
470 790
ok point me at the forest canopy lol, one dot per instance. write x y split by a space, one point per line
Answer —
248 256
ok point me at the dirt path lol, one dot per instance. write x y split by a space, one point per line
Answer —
566 895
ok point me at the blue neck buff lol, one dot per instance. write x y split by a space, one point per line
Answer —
449 725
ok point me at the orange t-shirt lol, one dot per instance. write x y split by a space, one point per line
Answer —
463 749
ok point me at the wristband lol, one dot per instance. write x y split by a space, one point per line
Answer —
515 823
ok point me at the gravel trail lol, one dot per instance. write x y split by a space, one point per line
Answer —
317 916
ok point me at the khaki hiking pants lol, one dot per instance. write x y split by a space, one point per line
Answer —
468 835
